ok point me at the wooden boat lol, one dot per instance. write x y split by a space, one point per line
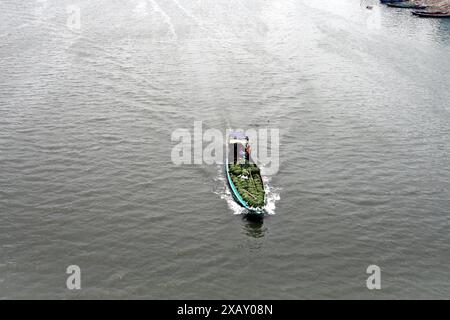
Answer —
391 1
407 5
432 14
244 176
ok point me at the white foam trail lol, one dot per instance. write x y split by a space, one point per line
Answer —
186 12
166 18
272 196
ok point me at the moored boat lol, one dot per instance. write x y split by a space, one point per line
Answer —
244 176
391 1
432 14
406 5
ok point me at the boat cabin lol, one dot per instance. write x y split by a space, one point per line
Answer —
239 149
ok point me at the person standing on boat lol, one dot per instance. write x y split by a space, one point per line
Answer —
248 151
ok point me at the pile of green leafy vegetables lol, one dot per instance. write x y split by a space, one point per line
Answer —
248 182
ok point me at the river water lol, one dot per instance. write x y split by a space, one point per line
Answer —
88 106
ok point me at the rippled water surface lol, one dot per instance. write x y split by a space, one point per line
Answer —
361 99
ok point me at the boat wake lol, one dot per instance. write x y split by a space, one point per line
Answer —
167 19
221 188
272 196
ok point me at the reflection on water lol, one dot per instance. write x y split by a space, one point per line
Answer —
442 31
254 227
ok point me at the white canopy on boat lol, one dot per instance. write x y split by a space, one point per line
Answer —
237 137
239 141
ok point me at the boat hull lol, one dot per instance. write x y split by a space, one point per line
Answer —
238 198
424 14
392 1
405 5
